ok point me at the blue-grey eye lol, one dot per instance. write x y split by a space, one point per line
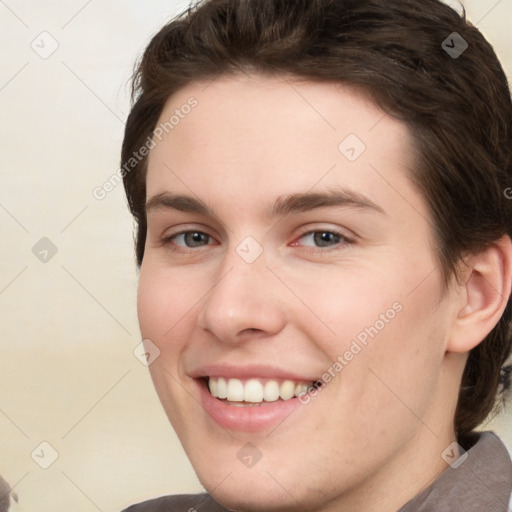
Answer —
323 238
192 239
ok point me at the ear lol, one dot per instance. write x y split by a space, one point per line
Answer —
487 283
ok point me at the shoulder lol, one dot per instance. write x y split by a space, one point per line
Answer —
179 503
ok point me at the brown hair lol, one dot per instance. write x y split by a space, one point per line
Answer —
458 108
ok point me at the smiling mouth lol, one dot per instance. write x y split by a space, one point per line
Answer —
255 391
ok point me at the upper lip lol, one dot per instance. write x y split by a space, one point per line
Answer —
249 371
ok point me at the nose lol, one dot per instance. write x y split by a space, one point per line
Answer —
246 301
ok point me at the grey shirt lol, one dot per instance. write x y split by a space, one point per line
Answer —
482 483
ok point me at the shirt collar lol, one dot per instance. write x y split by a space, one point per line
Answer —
482 483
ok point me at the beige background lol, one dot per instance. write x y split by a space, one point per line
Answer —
68 327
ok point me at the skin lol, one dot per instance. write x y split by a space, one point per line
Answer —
373 437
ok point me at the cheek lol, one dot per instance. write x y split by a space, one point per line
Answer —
398 369
384 331
152 304
165 307
340 304
164 299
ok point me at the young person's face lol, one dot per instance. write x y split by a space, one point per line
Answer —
349 293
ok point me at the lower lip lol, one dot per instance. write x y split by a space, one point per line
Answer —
246 419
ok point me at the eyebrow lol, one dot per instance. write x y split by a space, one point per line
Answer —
284 205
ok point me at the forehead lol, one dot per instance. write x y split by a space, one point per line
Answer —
257 135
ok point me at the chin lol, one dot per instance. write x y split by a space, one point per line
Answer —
257 489
247 496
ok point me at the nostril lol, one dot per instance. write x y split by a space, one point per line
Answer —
251 331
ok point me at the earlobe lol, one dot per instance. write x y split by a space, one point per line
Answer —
484 295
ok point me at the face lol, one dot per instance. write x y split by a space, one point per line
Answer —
290 284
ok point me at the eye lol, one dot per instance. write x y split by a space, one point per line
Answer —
323 238
190 239
316 239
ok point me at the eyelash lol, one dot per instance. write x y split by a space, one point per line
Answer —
344 240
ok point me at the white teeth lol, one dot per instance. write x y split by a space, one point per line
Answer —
222 388
301 388
243 404
271 391
287 389
212 384
253 391
235 392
